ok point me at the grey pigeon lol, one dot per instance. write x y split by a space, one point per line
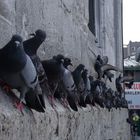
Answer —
17 69
31 46
70 88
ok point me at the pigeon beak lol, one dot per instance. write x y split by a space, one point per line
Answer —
32 34
17 43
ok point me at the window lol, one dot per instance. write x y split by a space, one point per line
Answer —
94 18
91 23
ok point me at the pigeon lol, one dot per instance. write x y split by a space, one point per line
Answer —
108 99
97 66
128 81
37 103
53 71
70 88
17 69
129 85
97 89
87 94
102 67
31 46
91 78
77 76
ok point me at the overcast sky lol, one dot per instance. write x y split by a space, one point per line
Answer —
131 20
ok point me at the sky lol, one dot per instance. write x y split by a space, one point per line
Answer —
131 21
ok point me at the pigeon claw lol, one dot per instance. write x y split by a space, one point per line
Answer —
7 88
65 103
51 100
19 106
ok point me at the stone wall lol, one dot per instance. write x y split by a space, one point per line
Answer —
65 23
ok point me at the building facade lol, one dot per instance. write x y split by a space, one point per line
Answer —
77 28
131 48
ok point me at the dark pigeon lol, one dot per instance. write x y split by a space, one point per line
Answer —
77 76
17 69
109 99
129 84
87 92
91 78
53 70
102 67
97 66
97 88
128 81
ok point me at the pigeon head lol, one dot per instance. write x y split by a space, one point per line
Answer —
67 62
32 44
119 76
17 41
98 57
59 58
85 72
16 38
91 78
80 67
39 34
14 44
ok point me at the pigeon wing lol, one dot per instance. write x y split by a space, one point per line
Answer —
110 67
29 74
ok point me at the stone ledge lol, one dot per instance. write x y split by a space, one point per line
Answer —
61 124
